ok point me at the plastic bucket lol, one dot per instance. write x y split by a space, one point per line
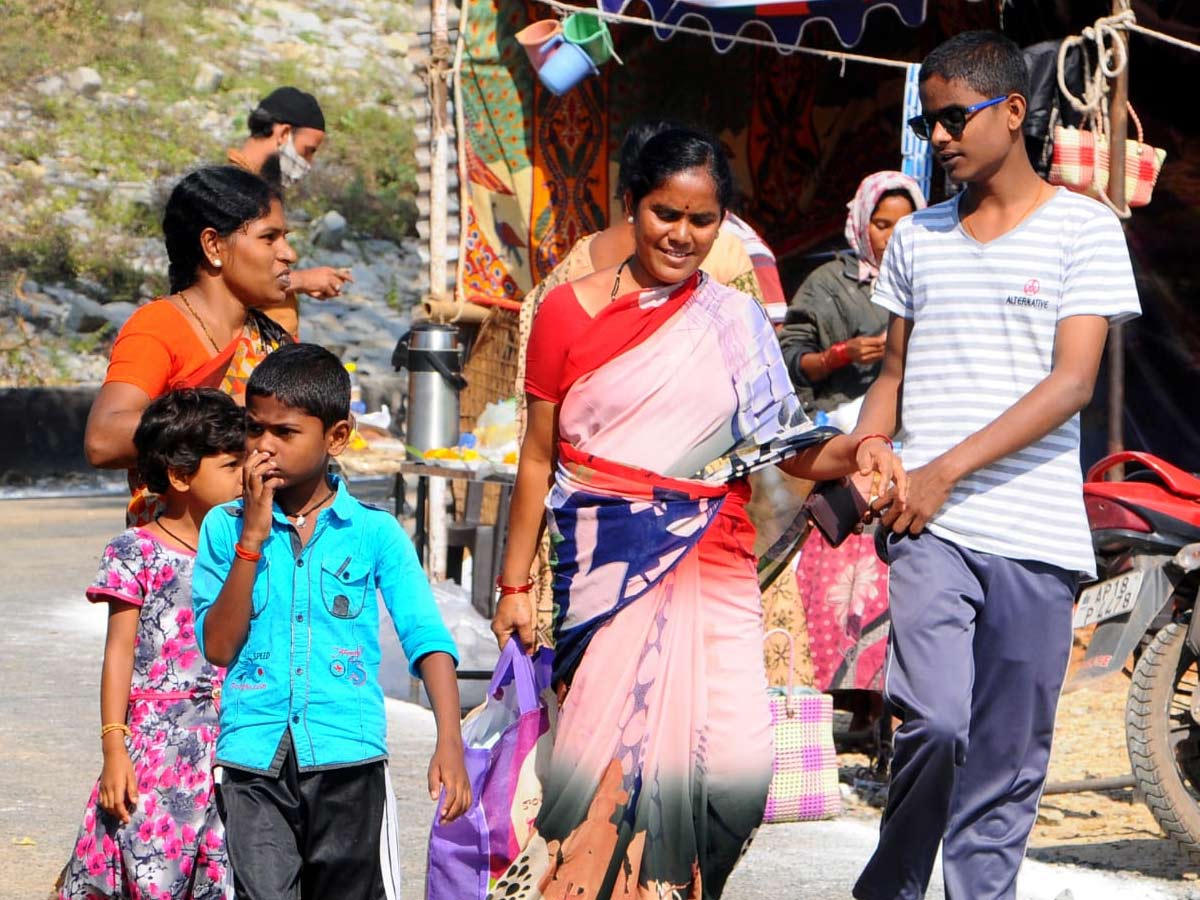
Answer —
565 68
589 32
540 40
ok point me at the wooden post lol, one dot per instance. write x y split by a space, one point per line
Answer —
1119 128
439 58
437 529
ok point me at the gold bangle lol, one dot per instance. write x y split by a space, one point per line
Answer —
115 726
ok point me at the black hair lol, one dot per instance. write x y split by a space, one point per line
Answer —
635 139
261 123
896 192
183 427
677 150
224 198
988 62
306 377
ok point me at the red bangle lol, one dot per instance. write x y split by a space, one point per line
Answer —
248 555
870 437
836 357
508 589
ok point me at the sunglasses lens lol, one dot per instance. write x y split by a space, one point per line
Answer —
920 127
954 120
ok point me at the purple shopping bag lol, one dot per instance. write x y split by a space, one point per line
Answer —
508 740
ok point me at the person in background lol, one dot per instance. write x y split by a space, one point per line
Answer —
832 338
226 240
151 827
287 128
832 343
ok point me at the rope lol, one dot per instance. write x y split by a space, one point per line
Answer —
1166 38
734 38
1112 58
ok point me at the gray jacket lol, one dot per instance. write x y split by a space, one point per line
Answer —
830 306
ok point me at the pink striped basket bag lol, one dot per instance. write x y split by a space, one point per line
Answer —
804 780
1081 159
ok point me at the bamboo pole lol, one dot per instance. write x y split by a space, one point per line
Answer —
1119 128
439 56
443 310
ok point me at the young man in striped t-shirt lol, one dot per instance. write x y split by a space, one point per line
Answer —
1000 303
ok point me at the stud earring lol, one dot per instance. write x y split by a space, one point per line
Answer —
216 264
629 219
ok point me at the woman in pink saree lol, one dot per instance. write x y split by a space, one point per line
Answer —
653 392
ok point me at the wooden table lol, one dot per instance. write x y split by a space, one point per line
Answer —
430 534
432 475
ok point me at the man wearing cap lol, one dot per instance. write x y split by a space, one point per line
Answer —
286 130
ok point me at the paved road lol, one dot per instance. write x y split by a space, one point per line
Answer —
51 643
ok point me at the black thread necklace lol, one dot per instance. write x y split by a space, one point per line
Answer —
172 535
617 281
300 516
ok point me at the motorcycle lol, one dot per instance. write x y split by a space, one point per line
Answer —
1146 534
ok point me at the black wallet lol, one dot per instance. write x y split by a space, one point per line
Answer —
836 508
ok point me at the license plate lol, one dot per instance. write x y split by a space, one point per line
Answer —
1108 599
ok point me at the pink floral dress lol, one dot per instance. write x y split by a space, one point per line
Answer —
173 847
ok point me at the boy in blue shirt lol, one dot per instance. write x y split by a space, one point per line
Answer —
285 597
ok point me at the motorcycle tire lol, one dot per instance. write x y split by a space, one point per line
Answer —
1167 775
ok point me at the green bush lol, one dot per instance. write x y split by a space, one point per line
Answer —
367 172
45 254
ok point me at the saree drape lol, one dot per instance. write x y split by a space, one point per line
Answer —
662 759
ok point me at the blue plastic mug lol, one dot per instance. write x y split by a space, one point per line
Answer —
566 66
540 39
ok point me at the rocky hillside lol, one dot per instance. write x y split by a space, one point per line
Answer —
106 102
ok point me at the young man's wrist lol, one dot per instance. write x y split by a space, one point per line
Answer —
951 467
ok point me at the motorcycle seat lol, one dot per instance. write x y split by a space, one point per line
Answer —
1177 481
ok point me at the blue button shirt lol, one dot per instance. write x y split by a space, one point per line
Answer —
310 662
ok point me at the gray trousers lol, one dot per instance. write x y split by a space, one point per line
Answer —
977 654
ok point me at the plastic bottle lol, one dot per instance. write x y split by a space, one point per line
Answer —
356 401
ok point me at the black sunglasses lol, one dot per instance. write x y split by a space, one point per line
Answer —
953 118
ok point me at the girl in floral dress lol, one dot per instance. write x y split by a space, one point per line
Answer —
151 828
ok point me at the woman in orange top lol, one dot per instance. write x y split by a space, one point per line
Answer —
229 256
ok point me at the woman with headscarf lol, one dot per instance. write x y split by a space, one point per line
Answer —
833 344
832 338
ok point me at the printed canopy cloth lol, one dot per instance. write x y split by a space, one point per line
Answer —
782 21
541 170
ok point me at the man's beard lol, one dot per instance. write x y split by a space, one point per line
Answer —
271 172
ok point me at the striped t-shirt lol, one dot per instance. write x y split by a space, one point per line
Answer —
984 321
